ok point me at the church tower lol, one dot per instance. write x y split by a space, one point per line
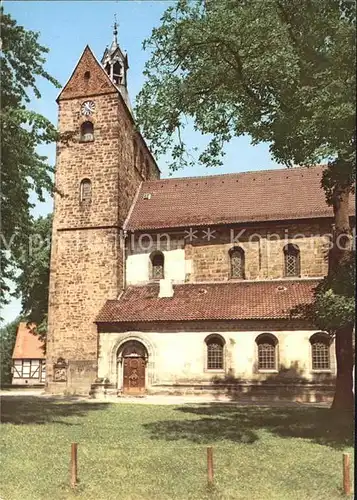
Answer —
101 161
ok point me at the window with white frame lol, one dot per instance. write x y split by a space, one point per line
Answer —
267 345
320 351
215 352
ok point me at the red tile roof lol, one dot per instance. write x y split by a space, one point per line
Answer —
213 301
28 345
264 195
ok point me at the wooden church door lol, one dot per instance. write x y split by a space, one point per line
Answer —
134 375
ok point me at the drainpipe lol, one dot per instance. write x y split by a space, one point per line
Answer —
124 235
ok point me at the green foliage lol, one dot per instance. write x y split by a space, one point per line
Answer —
334 303
7 343
281 71
23 169
32 282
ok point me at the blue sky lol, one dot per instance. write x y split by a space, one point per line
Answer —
66 27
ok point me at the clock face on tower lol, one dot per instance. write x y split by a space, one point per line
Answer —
88 108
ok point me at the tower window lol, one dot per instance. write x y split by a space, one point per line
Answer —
157 266
267 351
292 260
237 262
87 76
87 132
86 191
320 351
215 350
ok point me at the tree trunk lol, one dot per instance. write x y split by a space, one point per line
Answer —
344 397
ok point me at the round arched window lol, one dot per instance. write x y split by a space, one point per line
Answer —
86 191
292 260
237 262
87 132
320 351
157 266
215 352
267 352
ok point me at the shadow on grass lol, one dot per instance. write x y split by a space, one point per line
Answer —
240 424
34 410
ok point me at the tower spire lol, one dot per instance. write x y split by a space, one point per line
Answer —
115 31
115 63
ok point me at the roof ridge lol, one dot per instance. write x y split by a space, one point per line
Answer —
258 172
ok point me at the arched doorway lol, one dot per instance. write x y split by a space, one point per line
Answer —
132 357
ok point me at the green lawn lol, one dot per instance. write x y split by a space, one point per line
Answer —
133 452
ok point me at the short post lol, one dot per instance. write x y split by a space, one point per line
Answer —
210 465
346 474
74 465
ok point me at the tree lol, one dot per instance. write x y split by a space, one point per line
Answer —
7 343
32 282
282 71
23 169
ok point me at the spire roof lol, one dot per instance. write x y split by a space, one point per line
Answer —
114 45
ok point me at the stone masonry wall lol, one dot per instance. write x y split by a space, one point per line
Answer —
203 259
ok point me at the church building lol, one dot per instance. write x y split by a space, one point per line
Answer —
176 285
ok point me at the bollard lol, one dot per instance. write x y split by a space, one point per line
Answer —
210 465
74 465
346 474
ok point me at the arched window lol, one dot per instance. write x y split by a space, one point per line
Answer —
320 351
86 191
157 266
292 260
86 76
237 263
215 352
267 351
87 131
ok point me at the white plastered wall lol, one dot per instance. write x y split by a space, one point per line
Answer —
138 266
180 357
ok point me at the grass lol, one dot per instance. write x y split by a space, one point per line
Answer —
133 452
